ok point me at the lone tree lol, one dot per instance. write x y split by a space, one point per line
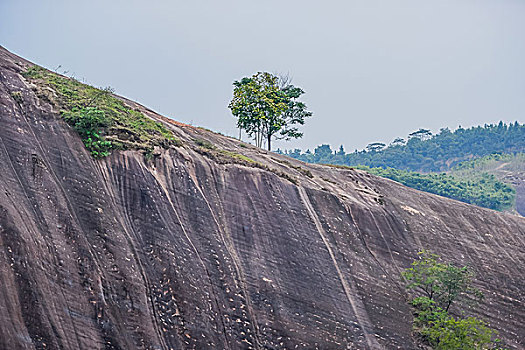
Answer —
438 285
267 107
443 283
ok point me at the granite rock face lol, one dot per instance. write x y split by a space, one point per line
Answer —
204 249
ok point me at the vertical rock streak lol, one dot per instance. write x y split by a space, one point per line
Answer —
356 303
230 248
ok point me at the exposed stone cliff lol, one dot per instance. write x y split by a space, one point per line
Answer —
224 247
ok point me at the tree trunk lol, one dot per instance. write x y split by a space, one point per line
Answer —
269 142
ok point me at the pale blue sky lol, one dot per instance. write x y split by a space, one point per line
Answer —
372 70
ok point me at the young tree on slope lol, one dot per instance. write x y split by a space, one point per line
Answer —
438 285
265 108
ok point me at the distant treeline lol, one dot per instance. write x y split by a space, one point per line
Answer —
484 189
461 153
424 152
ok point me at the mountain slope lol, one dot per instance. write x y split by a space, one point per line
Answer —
217 244
403 161
508 168
478 188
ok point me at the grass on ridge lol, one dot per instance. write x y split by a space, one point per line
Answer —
102 120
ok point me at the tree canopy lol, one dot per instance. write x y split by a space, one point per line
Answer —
436 286
443 283
267 107
425 152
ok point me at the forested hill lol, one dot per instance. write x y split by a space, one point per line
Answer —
424 152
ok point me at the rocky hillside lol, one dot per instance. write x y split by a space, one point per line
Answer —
208 243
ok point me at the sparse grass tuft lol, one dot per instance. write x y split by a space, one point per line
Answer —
227 157
300 169
17 96
204 144
328 180
238 156
284 176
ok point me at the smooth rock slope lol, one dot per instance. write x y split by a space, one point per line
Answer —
223 247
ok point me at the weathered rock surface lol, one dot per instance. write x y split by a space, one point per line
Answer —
196 249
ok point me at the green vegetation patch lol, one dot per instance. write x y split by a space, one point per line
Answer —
103 121
484 190
492 163
437 287
424 152
445 332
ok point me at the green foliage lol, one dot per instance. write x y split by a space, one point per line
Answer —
493 163
425 152
483 161
444 332
264 109
448 333
479 188
295 113
102 120
89 122
439 285
482 189
468 181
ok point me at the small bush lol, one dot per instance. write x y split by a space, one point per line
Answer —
88 122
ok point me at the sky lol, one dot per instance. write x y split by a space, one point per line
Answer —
371 70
